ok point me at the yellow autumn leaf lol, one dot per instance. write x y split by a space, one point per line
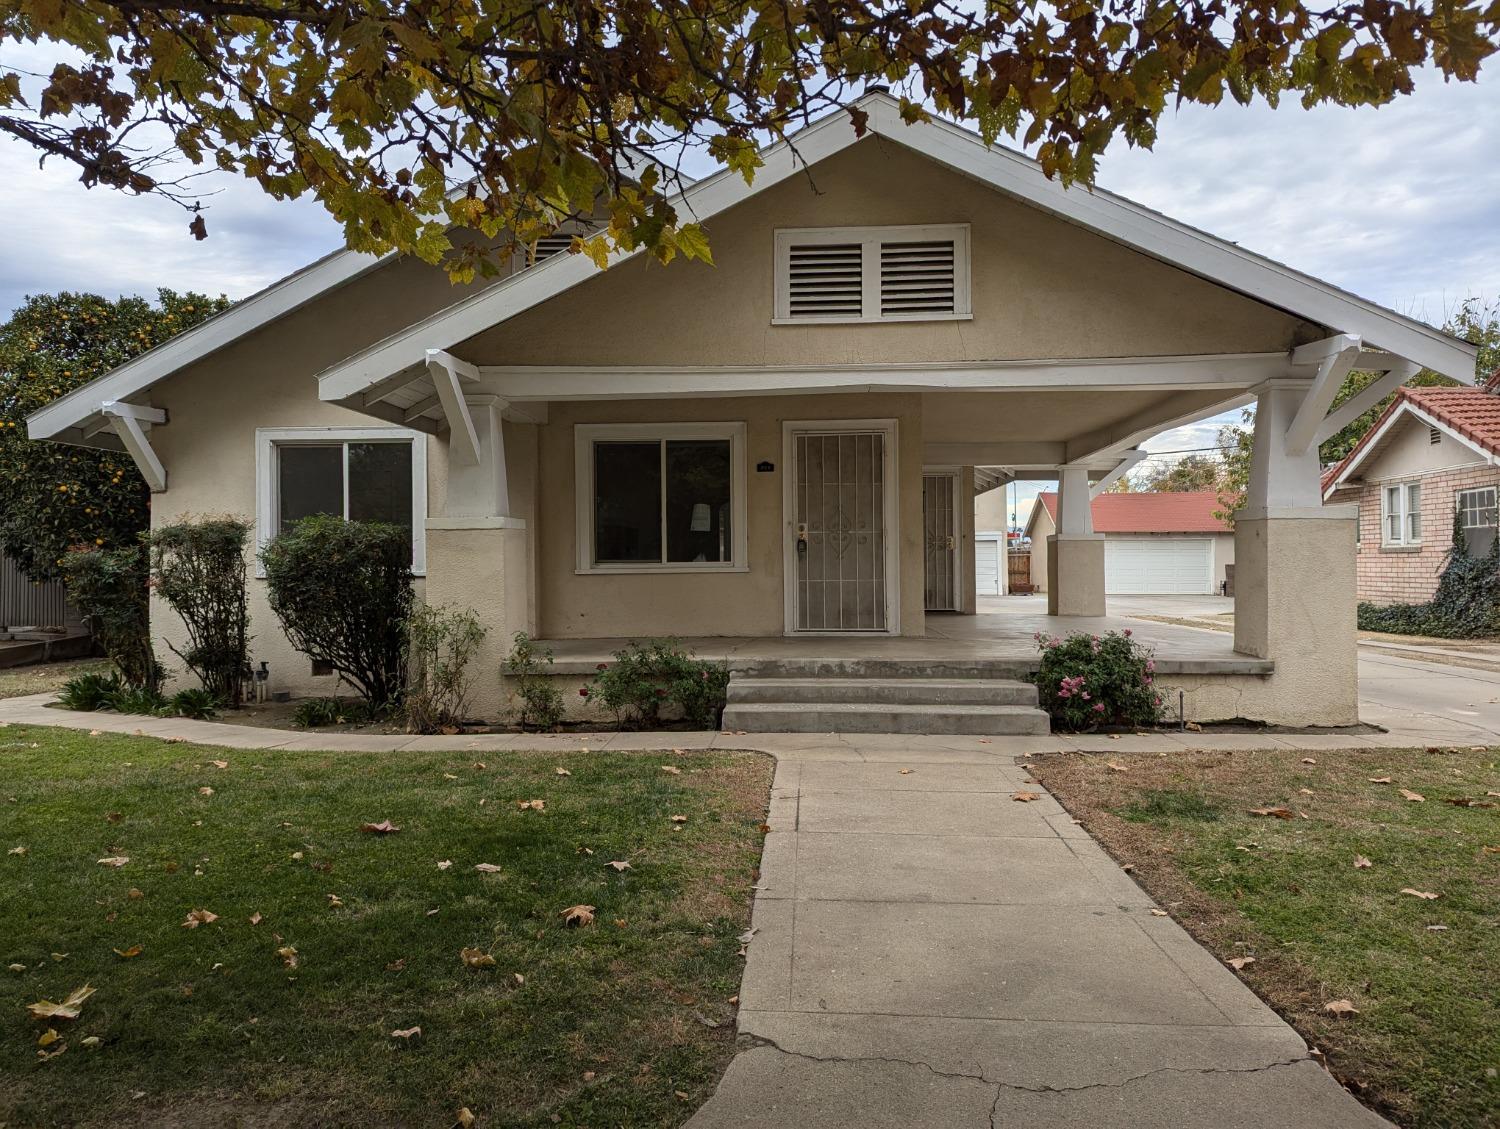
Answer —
68 1009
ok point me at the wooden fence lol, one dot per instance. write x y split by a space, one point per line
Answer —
24 603
1018 575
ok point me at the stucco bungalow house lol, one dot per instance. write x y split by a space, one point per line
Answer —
766 449
1434 453
1154 544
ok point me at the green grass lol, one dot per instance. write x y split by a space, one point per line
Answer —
1425 1045
208 1026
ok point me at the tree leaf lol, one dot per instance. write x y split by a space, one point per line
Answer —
1238 963
487 867
133 951
1276 812
1424 894
384 827
1025 797
115 861
406 1033
476 958
68 1009
577 916
1362 863
1340 1007
1414 797
618 865
199 917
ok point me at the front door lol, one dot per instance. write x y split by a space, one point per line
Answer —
940 541
840 502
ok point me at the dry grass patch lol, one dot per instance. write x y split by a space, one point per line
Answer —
1291 892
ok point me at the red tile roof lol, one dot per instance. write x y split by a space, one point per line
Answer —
1470 412
1187 512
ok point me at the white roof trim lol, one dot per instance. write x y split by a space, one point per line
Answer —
1372 444
1013 173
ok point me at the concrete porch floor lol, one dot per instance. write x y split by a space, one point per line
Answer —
1003 631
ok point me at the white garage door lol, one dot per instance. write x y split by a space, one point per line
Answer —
987 567
1158 565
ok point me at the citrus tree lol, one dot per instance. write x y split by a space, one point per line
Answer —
55 496
408 119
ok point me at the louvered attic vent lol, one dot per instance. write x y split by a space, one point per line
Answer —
868 274
549 245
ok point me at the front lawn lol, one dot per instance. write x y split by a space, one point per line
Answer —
19 681
1423 973
326 938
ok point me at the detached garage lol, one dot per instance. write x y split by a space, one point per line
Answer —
1154 544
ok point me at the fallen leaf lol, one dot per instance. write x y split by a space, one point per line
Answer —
672 768
533 805
487 868
297 855
134 895
577 916
115 861
1464 802
618 865
449 776
1380 780
205 791
1193 727
1024 797
396 965
589 1075
463 1118
133 951
519 979
679 819
1414 797
1308 760
59 957
905 771
255 918
384 827
334 901
1425 894
406 1033
68 1009
476 958
199 917
1341 1007
1277 812
288 956
1160 913
1437 929
1306 791
1362 863
561 771
16 851
680 1095
1116 766
444 864
48 1037
219 764
16 967
1238 963
91 1042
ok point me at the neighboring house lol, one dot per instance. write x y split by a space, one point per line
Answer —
785 444
1434 453
1154 544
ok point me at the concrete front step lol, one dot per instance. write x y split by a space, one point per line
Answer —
880 717
884 691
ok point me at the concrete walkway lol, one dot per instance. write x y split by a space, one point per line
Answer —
929 951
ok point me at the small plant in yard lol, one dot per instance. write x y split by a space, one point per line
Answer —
539 702
195 703
440 643
88 692
645 677
343 593
136 699
1087 681
198 568
111 588
317 713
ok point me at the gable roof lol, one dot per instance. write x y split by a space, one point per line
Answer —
1469 415
1190 511
1113 217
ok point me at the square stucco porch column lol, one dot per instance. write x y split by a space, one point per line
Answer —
1294 580
479 555
1075 553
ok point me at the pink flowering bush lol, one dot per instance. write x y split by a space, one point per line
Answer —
1089 681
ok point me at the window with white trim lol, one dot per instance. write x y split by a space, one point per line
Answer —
872 274
1401 514
660 497
359 474
1478 517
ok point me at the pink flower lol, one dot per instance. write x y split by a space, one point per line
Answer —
1098 707
1127 633
1150 664
1085 695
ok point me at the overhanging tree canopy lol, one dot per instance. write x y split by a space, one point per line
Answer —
543 108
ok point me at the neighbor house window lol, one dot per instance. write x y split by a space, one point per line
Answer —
1401 514
359 474
872 274
1477 519
666 497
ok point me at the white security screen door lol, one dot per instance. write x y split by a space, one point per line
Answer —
839 494
940 542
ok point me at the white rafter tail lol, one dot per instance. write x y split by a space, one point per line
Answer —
1358 404
446 371
129 422
1335 357
1131 459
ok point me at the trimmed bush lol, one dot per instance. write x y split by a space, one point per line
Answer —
111 587
343 593
198 568
648 676
1466 604
1089 681
540 704
440 642
197 704
137 699
88 692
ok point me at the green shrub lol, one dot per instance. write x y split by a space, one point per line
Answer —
1466 604
315 713
540 702
343 593
88 692
440 642
137 699
646 677
111 587
1088 681
194 703
198 568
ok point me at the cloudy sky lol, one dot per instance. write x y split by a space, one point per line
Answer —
1400 204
